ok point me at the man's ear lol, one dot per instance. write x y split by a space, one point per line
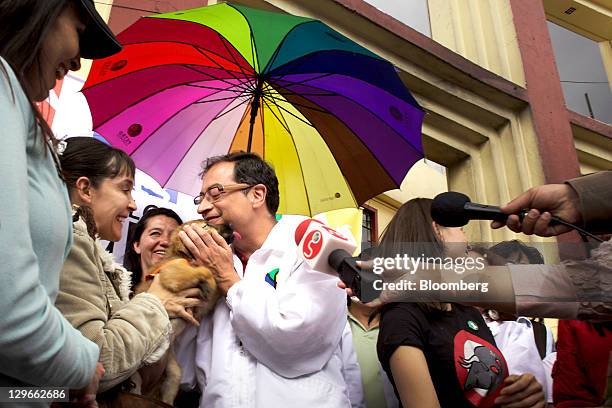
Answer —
83 190
258 194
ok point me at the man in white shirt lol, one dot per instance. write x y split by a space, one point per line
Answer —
516 341
274 339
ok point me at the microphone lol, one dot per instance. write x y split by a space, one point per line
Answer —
316 241
454 209
326 250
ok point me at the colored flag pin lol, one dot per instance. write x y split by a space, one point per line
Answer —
472 325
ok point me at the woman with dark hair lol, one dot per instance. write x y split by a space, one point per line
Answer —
517 252
441 354
40 41
148 242
94 290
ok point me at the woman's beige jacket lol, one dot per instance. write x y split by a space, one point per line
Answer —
94 297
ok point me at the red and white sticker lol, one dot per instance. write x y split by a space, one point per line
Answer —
312 244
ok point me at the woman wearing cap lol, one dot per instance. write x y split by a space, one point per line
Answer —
40 41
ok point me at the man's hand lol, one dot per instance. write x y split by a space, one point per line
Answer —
522 391
544 201
211 251
179 304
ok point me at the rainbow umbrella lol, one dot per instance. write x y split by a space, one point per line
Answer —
333 118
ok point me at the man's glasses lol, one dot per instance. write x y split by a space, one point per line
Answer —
216 191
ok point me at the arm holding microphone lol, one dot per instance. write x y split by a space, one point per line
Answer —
573 289
585 201
570 290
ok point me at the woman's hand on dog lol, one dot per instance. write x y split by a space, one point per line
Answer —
211 251
179 304
86 397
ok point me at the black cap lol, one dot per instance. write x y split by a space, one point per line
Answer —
97 41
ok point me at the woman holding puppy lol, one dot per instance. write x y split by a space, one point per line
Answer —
94 291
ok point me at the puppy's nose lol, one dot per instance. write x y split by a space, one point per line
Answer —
75 64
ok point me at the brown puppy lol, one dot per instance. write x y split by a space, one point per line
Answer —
177 272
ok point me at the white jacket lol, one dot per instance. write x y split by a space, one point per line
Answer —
271 347
516 341
351 370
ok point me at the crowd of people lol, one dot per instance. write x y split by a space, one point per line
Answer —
281 334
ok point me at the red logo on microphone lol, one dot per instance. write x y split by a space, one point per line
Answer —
312 244
335 233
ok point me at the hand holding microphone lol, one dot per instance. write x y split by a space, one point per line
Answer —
326 250
557 211
544 202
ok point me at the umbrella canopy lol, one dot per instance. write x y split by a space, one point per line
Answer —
333 118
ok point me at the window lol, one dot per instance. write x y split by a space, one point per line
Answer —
582 73
413 13
369 227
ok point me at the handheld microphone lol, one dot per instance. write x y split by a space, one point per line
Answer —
326 250
316 241
361 282
453 209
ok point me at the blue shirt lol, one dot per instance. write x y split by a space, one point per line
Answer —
38 345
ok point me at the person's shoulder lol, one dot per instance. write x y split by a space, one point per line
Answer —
7 76
6 67
468 311
407 306
290 220
404 311
79 230
11 93
574 325
285 227
401 324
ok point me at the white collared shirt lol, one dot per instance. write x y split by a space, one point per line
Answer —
516 341
267 346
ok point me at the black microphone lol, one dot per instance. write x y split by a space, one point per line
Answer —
453 209
361 282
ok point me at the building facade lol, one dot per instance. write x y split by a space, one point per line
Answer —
493 77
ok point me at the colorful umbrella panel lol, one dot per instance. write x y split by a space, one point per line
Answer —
333 118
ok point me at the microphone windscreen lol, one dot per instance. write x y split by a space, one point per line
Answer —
336 257
448 209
